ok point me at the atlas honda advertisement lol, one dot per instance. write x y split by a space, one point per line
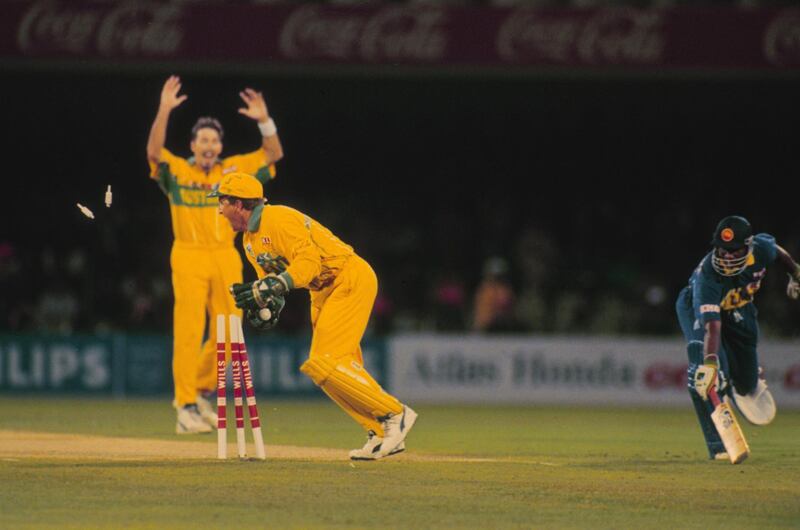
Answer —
564 370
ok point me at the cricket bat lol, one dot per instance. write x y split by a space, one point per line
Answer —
728 429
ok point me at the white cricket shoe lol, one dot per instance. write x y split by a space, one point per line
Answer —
395 430
721 456
207 408
371 449
190 421
758 407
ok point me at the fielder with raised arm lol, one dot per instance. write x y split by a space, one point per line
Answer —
719 320
204 259
290 250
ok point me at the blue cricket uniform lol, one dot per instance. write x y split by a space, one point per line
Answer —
711 296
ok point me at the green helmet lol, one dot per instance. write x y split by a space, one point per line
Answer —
732 235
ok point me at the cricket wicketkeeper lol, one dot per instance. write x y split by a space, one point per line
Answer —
290 250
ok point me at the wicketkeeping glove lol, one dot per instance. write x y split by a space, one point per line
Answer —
793 288
272 264
706 377
274 306
254 295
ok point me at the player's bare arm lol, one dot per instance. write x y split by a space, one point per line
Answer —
793 269
705 377
712 339
786 259
257 110
170 99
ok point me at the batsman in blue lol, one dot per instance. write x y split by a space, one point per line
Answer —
720 323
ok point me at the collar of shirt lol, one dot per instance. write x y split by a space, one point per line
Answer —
192 162
255 219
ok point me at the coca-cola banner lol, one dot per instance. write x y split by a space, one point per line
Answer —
391 34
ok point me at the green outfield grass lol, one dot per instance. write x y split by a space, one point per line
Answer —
551 468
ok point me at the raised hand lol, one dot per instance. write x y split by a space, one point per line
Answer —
793 288
169 94
256 108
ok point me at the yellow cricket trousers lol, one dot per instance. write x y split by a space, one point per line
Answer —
200 281
339 318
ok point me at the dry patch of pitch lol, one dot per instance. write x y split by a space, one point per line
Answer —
18 445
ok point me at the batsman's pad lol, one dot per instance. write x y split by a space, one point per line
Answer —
366 421
699 377
758 407
695 351
348 379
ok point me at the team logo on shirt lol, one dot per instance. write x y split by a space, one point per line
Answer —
266 241
249 249
194 185
740 296
193 193
227 170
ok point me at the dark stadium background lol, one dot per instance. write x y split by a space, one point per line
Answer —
615 181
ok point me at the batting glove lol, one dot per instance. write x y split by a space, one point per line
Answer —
706 377
255 295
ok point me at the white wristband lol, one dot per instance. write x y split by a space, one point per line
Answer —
268 128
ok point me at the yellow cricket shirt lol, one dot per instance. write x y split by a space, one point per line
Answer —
196 222
315 255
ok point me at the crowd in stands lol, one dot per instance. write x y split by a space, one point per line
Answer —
535 286
547 206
